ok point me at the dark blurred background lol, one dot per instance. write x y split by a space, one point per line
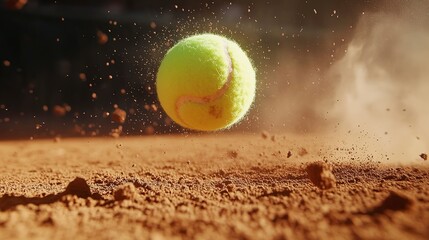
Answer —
65 66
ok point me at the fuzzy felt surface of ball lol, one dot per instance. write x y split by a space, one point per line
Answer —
206 82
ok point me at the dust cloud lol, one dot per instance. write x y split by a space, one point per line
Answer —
382 84
376 94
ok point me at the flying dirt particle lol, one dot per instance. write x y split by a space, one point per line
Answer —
149 130
302 152
265 134
154 107
151 107
152 25
6 63
126 192
78 187
320 174
232 154
273 138
289 154
424 156
67 107
102 38
396 201
119 115
59 111
82 77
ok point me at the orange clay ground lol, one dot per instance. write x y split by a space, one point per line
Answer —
218 186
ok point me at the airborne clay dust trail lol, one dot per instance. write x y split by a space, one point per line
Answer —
208 186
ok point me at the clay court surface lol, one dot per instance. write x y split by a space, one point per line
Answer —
217 186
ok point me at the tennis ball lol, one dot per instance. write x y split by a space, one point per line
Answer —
206 82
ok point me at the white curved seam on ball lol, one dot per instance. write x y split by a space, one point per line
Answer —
210 98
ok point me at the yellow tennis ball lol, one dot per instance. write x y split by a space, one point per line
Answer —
206 82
